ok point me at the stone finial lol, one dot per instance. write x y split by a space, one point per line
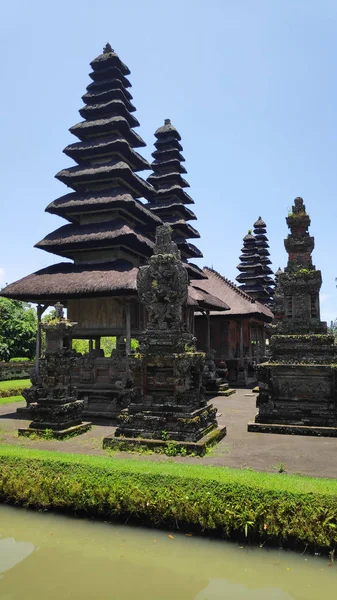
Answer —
164 243
167 122
59 311
107 49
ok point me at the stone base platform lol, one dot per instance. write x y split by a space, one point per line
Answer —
312 430
199 447
58 434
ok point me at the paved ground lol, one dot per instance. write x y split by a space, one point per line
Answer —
239 449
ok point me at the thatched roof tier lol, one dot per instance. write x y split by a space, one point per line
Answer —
111 234
168 143
109 58
80 177
262 247
180 227
104 147
206 300
168 154
172 193
166 178
194 272
73 205
66 280
112 92
239 302
87 129
167 131
108 74
187 250
172 165
105 110
174 207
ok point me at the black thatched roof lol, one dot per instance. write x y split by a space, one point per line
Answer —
103 147
98 127
74 204
240 303
167 131
109 59
172 192
174 207
80 176
105 110
112 92
64 281
69 238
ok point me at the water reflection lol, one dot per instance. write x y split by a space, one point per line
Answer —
12 553
218 589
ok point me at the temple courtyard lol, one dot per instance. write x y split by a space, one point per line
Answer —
291 454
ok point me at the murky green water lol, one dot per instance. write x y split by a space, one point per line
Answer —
46 556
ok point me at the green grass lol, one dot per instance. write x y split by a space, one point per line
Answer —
15 383
258 506
13 387
11 399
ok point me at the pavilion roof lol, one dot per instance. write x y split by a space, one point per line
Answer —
239 302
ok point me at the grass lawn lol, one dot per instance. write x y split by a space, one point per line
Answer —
11 399
13 388
15 383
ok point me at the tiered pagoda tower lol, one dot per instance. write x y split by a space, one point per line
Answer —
252 276
171 200
107 222
263 250
298 386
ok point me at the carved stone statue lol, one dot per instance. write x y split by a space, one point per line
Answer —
163 283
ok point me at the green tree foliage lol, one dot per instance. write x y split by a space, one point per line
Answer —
18 325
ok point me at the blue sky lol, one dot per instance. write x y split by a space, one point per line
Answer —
250 85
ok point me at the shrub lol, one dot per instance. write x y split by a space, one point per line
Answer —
276 508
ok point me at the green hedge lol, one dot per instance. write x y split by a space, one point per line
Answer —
277 508
13 388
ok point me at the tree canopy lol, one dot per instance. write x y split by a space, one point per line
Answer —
18 326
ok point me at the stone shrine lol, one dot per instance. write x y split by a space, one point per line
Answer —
167 402
52 400
297 386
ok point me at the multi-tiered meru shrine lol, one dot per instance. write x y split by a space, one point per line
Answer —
110 233
298 385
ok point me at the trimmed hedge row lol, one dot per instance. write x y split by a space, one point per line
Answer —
277 508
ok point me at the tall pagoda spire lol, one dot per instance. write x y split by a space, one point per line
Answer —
170 199
251 278
263 251
106 220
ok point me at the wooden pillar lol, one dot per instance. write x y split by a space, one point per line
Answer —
258 346
128 327
208 333
263 342
97 342
241 346
38 337
91 345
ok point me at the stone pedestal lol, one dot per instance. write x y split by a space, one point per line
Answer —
167 403
52 400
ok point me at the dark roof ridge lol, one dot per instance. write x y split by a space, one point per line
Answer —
231 284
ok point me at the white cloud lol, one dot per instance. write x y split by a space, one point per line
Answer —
2 276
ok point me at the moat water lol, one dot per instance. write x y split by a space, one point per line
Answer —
47 556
